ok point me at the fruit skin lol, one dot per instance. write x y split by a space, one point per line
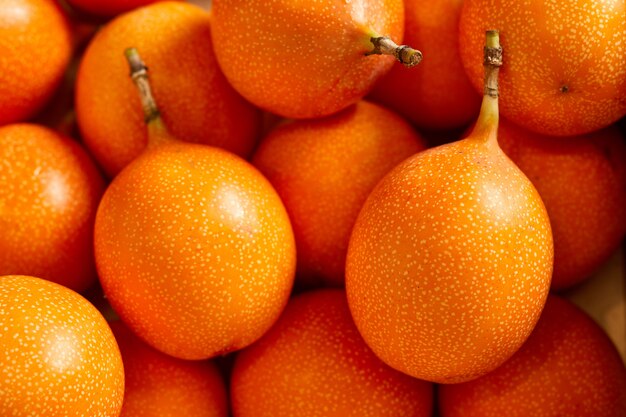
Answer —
450 258
35 48
437 95
323 195
194 250
48 201
549 45
158 385
109 8
58 356
568 367
582 182
196 101
314 64
313 362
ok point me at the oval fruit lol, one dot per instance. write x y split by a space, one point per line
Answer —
158 385
568 367
323 171
314 363
35 46
48 200
58 356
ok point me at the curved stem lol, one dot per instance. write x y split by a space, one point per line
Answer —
408 56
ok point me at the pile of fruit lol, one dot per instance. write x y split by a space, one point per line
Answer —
257 228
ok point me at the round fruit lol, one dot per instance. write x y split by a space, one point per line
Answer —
450 259
58 357
582 182
307 58
35 48
438 95
568 367
196 101
158 385
48 200
565 72
313 362
322 194
193 246
108 8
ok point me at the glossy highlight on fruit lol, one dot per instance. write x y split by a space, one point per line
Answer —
158 385
196 102
306 58
314 363
58 356
582 182
193 246
30 69
565 73
437 95
48 200
450 259
568 367
323 171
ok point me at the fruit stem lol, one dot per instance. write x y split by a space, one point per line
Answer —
157 131
408 56
487 124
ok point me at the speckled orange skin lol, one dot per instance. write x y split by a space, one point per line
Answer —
548 44
158 385
194 250
48 199
35 47
449 261
437 95
314 363
324 170
58 357
582 182
195 100
303 58
568 367
108 8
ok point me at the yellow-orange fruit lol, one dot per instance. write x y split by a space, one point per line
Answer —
48 199
58 357
35 48
303 58
158 385
108 8
437 95
194 250
582 181
565 71
323 171
314 363
196 102
568 367
450 259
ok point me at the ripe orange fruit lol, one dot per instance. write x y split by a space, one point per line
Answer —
305 59
48 200
565 71
108 8
438 95
450 259
582 181
193 246
158 385
568 367
58 357
35 47
314 363
322 194
196 101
